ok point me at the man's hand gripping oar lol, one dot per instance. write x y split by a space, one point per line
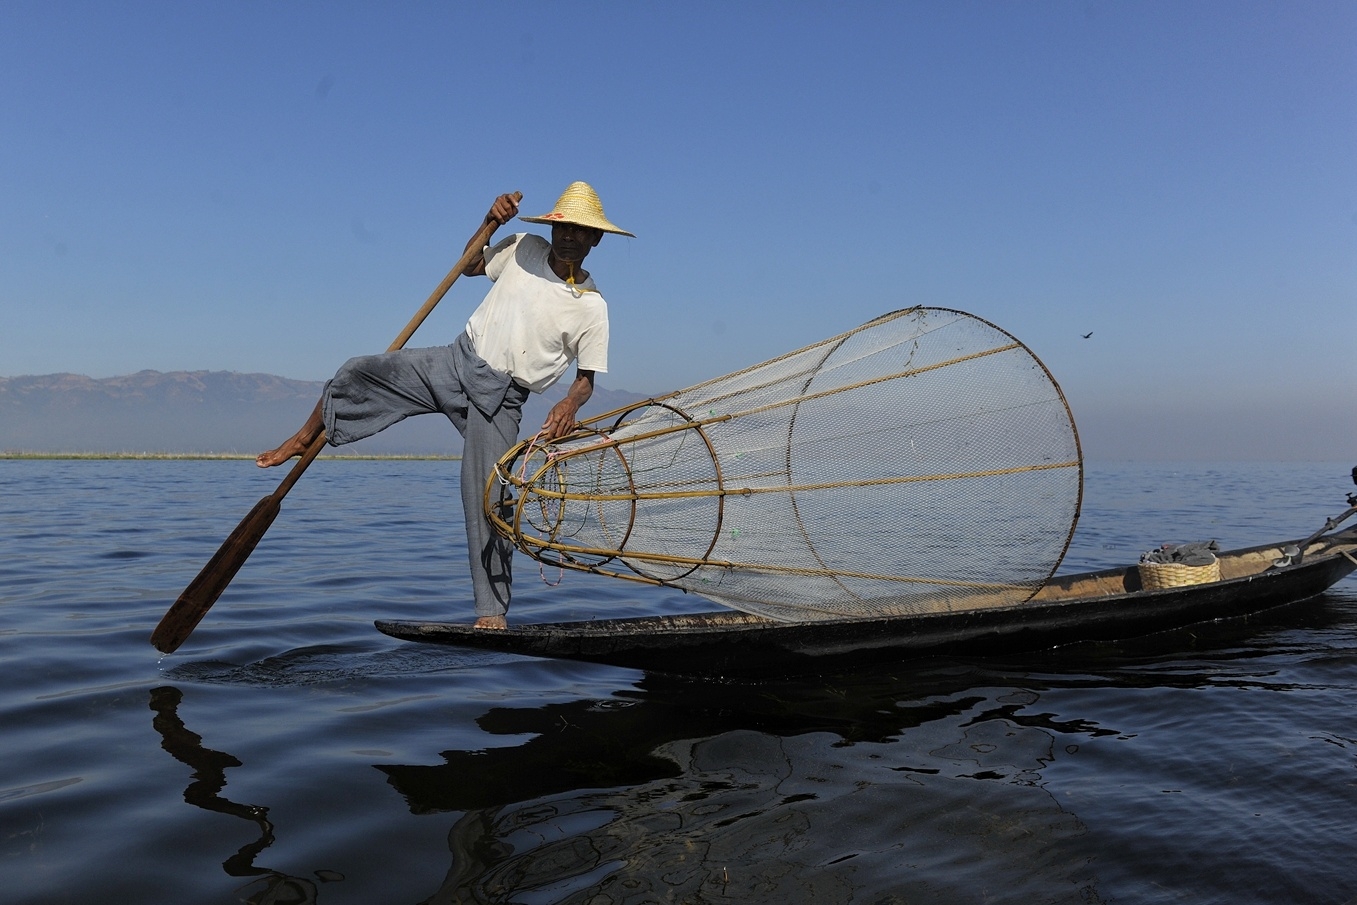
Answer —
179 622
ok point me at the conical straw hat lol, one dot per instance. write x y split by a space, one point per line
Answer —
579 204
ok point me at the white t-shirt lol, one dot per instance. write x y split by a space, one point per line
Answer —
533 324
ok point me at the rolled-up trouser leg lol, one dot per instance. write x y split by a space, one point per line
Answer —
372 392
486 440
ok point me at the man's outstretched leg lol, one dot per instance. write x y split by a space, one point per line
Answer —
295 445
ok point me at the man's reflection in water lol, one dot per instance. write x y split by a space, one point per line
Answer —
209 778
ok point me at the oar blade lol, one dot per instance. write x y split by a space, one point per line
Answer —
183 617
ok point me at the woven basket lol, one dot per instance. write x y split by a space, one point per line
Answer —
1155 576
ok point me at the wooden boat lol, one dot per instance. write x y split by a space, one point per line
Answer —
1094 606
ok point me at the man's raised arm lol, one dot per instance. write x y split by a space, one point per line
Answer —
501 212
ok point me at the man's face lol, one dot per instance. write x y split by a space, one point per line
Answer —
570 242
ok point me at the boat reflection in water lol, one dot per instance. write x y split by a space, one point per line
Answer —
947 780
209 779
855 789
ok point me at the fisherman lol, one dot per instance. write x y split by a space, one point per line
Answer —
542 313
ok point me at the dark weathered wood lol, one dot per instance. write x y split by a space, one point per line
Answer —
185 613
1094 606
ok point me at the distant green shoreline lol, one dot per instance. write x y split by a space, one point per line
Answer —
209 457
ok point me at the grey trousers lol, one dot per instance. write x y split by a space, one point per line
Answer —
372 392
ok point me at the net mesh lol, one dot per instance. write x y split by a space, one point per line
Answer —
923 462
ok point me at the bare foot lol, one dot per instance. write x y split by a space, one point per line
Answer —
293 446
494 623
297 444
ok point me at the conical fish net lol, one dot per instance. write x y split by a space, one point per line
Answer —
923 462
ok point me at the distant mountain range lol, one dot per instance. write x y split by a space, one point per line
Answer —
226 412
209 412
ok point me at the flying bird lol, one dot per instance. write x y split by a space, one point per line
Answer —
1088 334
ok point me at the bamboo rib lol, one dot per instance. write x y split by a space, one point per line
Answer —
794 488
729 416
885 378
833 341
799 571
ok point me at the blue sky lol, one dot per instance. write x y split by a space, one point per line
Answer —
277 186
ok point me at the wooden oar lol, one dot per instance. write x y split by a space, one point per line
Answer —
192 605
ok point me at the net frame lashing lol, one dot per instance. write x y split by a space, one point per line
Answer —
556 461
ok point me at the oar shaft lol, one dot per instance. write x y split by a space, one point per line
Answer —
473 250
186 612
295 474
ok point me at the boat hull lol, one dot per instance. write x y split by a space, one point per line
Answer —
730 643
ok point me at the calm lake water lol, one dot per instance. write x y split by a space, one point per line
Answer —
290 753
